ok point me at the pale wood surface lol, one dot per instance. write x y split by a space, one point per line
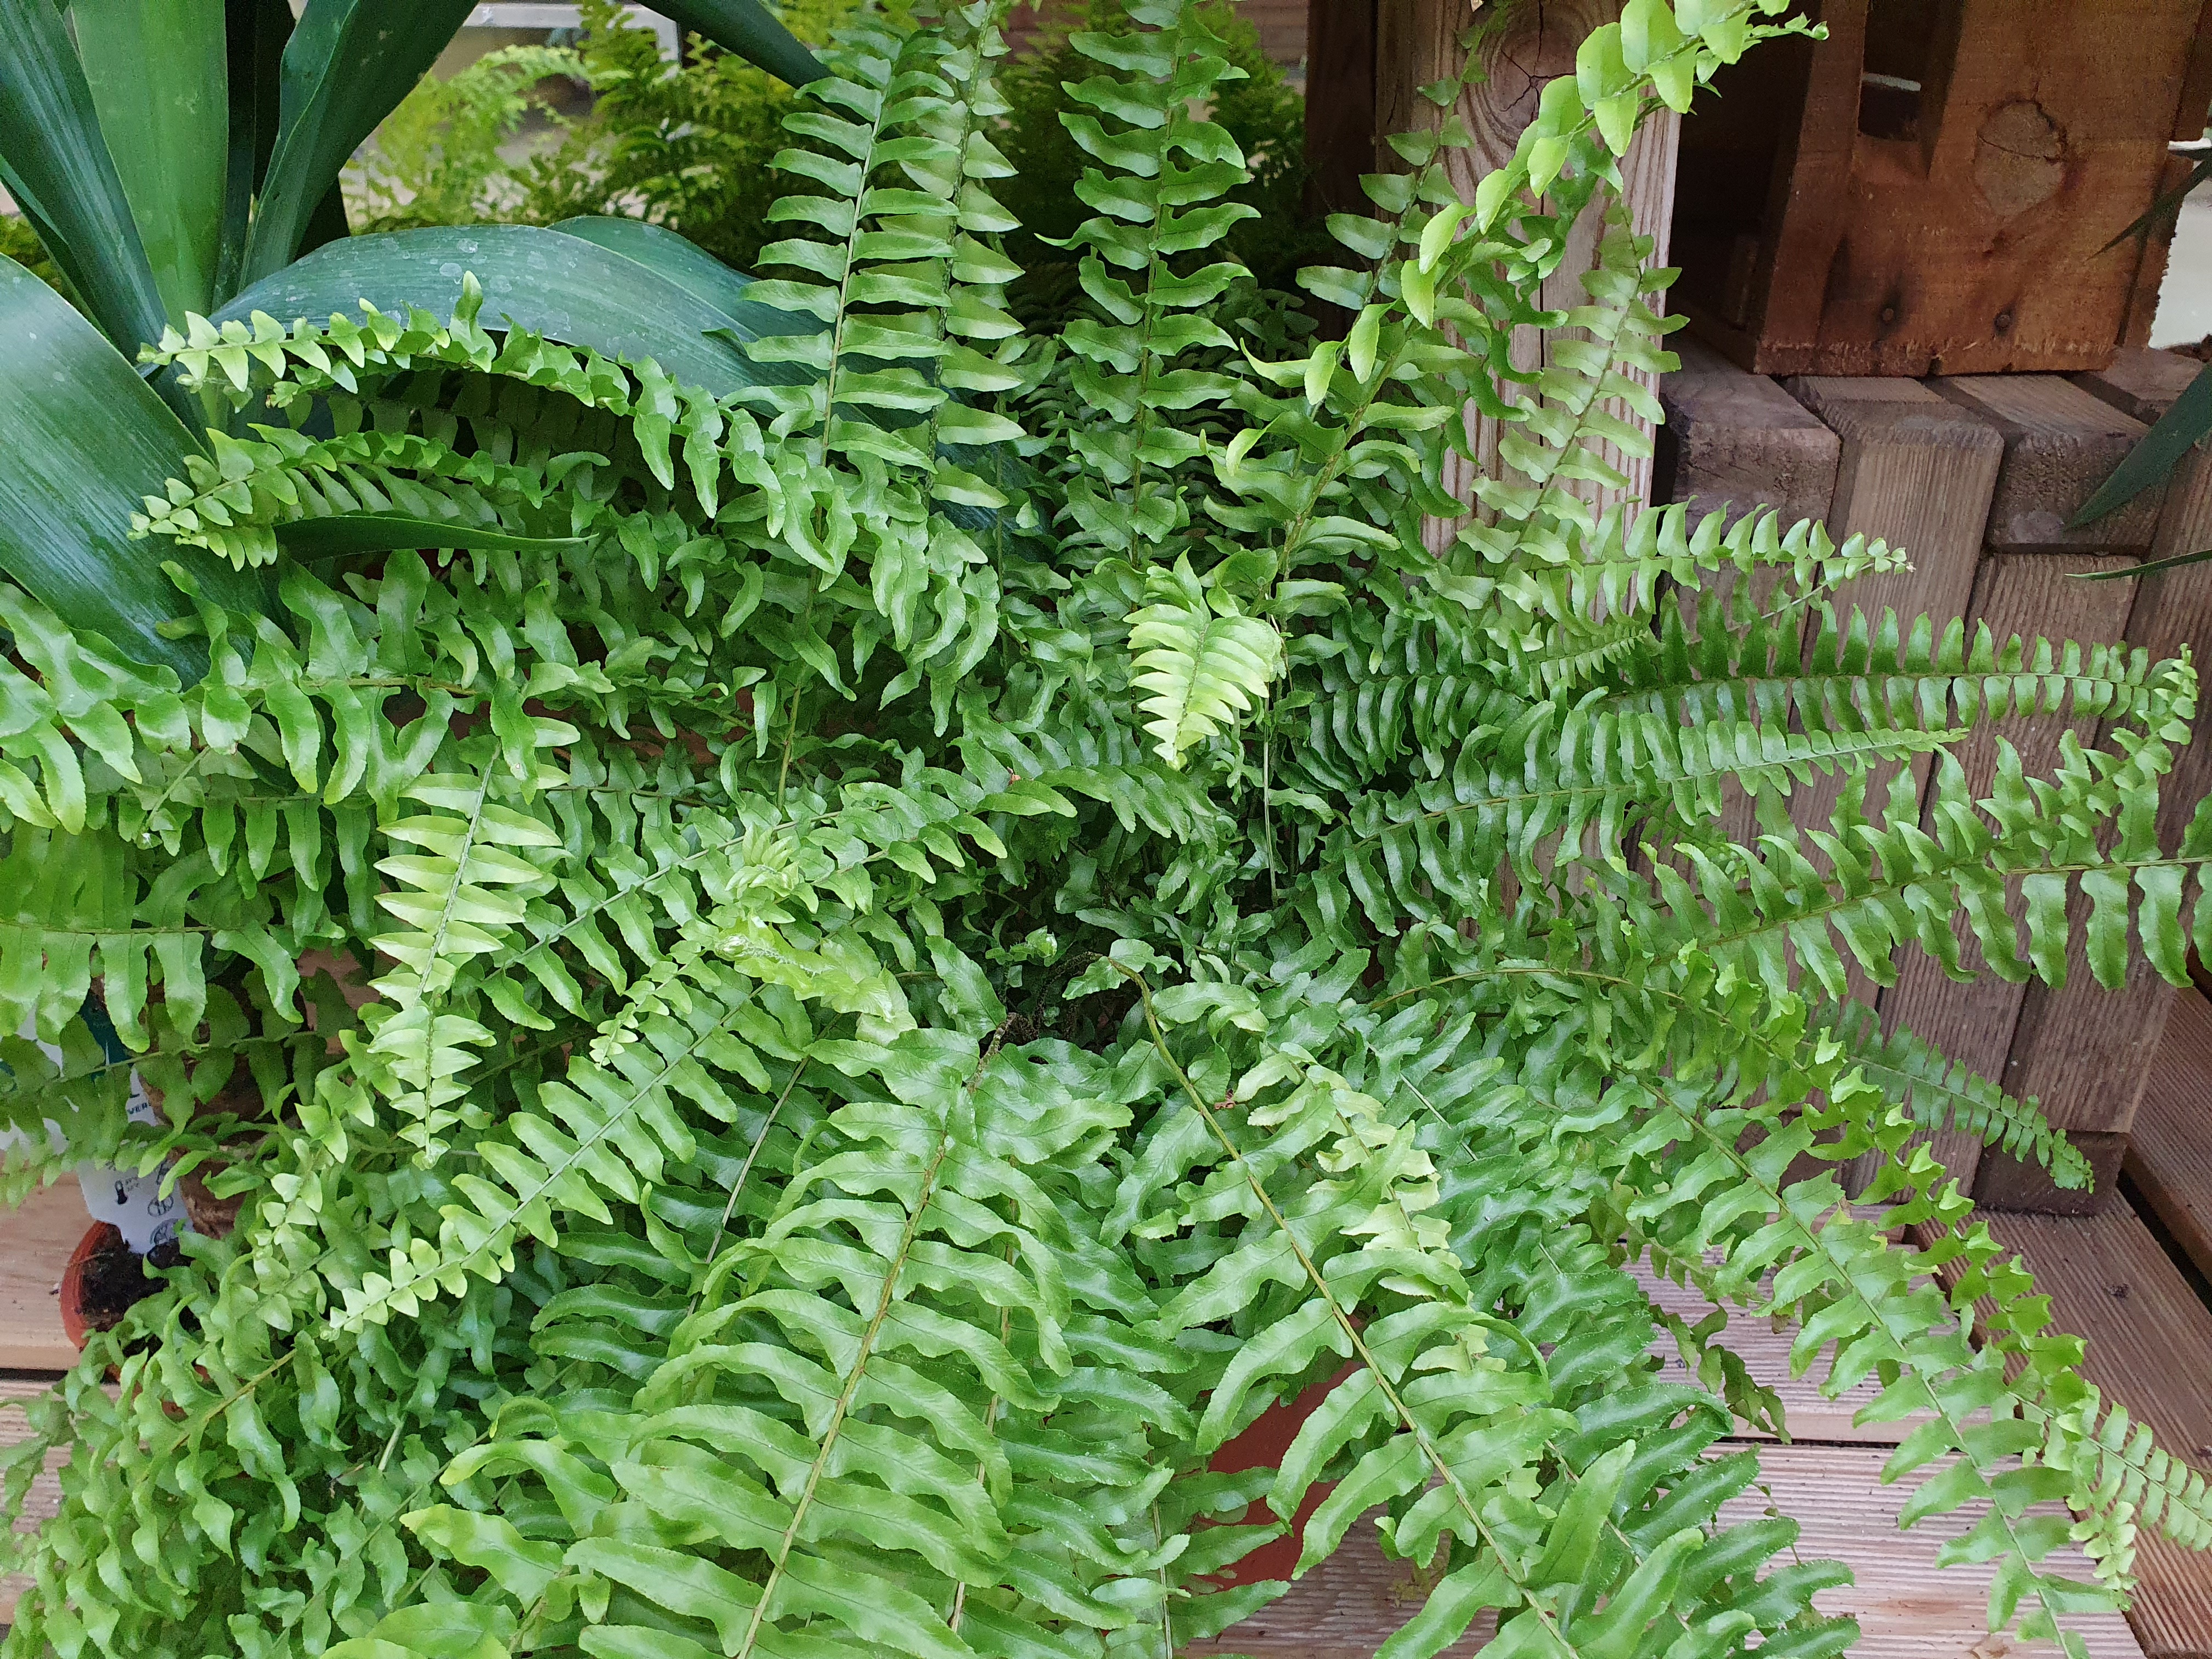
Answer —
44 1501
2150 1348
2082 1050
35 1242
1807 1414
1918 470
2061 442
1975 1022
1740 442
1907 1608
2170 1157
1416 43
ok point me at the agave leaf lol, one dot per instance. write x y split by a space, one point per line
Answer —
255 35
745 27
343 533
562 287
2134 570
158 74
57 165
690 266
2155 454
85 438
347 66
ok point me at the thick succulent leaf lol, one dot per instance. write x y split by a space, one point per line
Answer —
255 34
348 65
85 438
343 533
157 70
745 27
57 165
690 267
562 287
2177 431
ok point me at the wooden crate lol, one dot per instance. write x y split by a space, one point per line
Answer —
1928 190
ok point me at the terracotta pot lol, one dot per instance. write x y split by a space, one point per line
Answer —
1263 1444
101 1235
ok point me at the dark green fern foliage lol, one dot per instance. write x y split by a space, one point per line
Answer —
1261 110
835 979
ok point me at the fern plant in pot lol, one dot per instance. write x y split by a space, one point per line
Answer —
949 915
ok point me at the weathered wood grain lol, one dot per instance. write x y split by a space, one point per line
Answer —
2061 442
1735 440
1918 470
2170 1156
35 1242
1975 1020
2084 1051
2150 1349
1417 42
1955 219
1907 1607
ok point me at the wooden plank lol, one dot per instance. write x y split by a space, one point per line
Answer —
43 1500
1344 1608
1975 1022
2150 1349
1808 1415
1734 439
2141 384
1417 42
2061 442
1907 1607
2082 1050
35 1242
1340 82
1917 471
2170 1155
1963 235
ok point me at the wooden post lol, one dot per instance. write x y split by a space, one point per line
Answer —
2058 442
1417 42
2083 1051
1917 471
1735 441
1340 129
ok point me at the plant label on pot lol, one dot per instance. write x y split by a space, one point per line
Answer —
134 1204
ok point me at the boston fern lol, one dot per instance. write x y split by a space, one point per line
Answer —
909 924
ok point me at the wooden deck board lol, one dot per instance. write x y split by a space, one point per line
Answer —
2169 1158
35 1242
2150 1349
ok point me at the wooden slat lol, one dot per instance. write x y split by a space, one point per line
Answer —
44 1501
35 1242
2082 1051
1907 1607
1808 1415
2170 1157
1343 1609
2061 442
1734 439
2150 1349
1417 42
1917 471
